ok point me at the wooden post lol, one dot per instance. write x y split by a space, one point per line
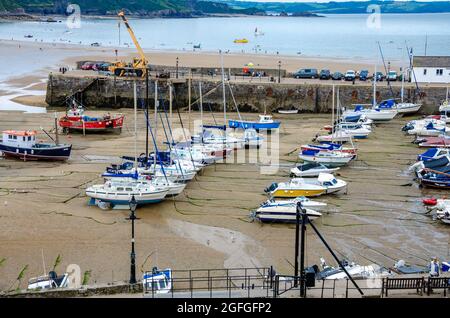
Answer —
56 129
84 128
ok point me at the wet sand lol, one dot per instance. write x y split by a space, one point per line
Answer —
43 207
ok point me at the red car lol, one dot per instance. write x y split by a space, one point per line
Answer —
87 66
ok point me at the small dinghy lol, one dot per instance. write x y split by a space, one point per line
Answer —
325 183
50 281
441 141
157 281
288 111
311 169
356 271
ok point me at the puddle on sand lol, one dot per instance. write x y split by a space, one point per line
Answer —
7 103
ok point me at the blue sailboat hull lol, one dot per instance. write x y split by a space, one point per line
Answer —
253 125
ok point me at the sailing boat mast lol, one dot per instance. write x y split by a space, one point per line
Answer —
201 108
402 91
156 124
224 93
374 98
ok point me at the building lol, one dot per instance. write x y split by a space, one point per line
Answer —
432 69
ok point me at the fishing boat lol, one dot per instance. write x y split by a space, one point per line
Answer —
22 144
157 281
241 41
284 214
265 122
324 184
330 159
76 121
312 169
50 281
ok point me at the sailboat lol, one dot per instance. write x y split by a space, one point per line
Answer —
117 193
404 107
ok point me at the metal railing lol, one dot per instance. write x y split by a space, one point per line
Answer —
233 282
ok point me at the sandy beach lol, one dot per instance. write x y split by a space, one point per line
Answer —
44 208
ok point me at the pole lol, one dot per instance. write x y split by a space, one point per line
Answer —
189 99
133 254
56 130
156 123
297 230
170 103
135 125
177 68
146 109
302 251
402 92
374 98
334 256
223 93
201 108
279 72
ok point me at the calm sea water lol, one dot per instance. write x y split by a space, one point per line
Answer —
345 36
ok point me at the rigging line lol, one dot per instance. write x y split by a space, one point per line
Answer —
234 100
410 56
178 165
154 143
173 140
206 94
212 113
385 69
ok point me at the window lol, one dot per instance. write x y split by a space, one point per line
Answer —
439 71
24 138
29 138
424 71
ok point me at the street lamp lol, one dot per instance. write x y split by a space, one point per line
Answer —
177 68
389 69
279 71
133 206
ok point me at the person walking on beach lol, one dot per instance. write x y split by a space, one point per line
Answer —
434 267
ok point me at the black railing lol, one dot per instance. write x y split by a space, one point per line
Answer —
232 282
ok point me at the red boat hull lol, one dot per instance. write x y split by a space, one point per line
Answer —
101 125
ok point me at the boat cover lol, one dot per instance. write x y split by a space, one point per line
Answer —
411 269
434 163
429 154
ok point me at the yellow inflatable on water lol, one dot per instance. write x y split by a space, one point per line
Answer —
241 41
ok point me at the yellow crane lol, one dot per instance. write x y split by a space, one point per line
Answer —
139 65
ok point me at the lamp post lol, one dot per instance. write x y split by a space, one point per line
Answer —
133 206
279 71
177 68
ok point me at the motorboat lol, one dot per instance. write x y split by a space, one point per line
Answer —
157 281
252 138
325 183
356 271
22 144
433 153
311 169
283 214
50 281
120 192
265 122
329 147
328 158
337 136
441 141
304 201
431 128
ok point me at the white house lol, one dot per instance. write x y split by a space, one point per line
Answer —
432 69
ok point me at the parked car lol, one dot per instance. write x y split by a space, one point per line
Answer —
103 67
392 76
325 74
364 75
337 76
306 73
350 75
87 66
380 77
